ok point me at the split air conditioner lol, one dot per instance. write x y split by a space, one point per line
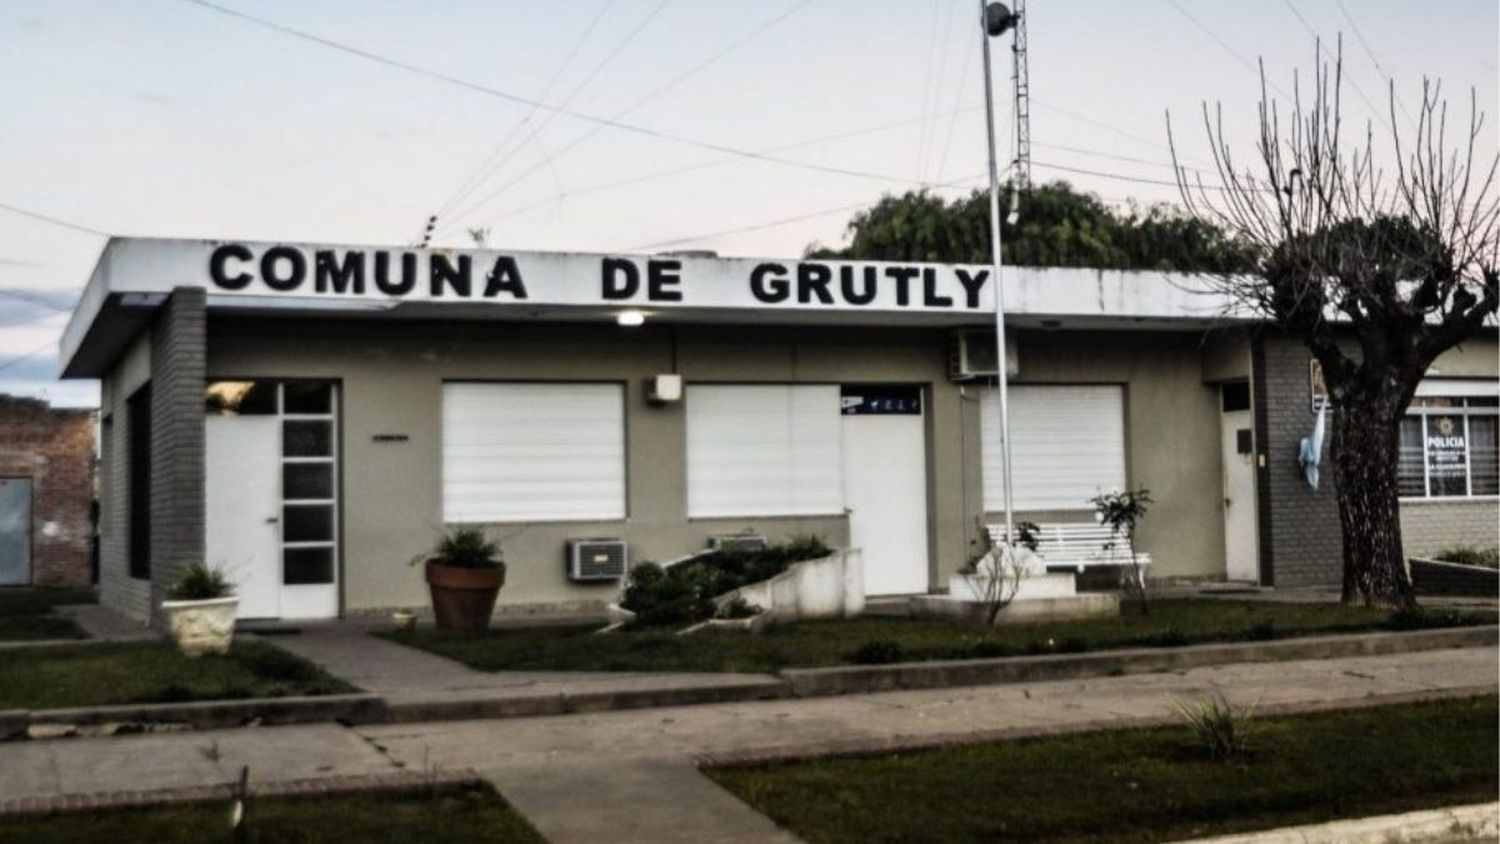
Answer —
597 559
664 389
971 355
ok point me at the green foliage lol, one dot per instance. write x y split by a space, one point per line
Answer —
878 652
738 607
200 582
1217 726
1056 227
685 593
468 548
1122 511
1028 535
1470 556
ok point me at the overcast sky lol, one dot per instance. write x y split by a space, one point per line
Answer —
166 118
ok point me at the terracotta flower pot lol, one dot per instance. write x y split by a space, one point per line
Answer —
463 598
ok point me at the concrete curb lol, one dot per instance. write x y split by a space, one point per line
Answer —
840 680
913 744
1475 822
369 708
199 715
335 786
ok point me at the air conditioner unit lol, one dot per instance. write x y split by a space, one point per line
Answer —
971 355
664 389
737 542
597 559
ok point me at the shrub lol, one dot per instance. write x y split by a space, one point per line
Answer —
200 582
1218 726
1470 556
878 652
737 607
684 593
468 548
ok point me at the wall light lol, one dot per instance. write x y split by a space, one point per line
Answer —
630 319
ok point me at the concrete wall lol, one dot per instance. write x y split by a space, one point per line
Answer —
1428 527
54 448
1171 430
117 589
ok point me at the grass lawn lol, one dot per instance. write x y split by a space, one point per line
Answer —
152 672
882 639
449 815
25 613
1141 785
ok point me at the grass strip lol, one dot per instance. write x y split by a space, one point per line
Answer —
874 639
439 816
153 672
1141 785
26 613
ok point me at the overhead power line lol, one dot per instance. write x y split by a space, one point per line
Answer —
77 227
1239 57
476 178
491 91
635 106
1323 51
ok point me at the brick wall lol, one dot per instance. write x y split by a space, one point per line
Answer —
117 589
55 449
1301 542
1428 527
178 367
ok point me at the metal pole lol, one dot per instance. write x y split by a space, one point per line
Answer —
995 271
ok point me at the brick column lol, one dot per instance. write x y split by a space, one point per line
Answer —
1301 542
178 371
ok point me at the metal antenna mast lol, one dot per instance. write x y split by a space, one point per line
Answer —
1022 80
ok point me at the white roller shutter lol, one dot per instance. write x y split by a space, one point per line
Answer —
519 452
764 450
1068 444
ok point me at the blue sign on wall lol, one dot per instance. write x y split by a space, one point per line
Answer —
880 400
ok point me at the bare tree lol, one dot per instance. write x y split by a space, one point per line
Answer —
1378 270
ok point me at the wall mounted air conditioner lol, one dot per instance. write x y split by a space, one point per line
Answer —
737 542
597 559
971 355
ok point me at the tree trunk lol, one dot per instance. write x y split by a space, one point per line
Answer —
1365 446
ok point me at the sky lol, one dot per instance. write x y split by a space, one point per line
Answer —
170 118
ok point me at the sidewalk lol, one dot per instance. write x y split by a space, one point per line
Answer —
630 775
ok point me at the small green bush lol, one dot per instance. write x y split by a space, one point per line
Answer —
737 607
684 593
878 652
468 548
200 582
1470 556
1217 726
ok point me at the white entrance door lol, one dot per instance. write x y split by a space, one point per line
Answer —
885 479
243 465
1241 537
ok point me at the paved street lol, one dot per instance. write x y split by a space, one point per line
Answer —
630 776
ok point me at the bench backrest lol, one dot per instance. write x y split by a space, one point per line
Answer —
1067 537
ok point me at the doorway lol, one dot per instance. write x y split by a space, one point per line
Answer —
15 531
885 478
272 485
1237 445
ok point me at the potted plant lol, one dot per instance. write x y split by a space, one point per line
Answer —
464 575
200 609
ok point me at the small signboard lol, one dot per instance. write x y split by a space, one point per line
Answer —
880 400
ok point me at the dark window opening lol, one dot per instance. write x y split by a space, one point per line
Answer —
1236 396
138 408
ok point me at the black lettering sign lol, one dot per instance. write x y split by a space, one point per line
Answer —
218 267
930 296
812 279
505 277
329 274
864 296
619 279
440 272
662 278
902 276
284 281
972 285
768 283
383 281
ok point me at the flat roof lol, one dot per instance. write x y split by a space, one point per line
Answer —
293 279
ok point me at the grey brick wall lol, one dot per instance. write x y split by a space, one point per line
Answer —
178 368
117 589
1300 540
1431 526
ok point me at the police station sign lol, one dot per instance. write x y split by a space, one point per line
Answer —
442 275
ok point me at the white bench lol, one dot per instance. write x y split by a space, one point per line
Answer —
1080 545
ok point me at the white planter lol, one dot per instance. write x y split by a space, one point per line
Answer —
202 627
